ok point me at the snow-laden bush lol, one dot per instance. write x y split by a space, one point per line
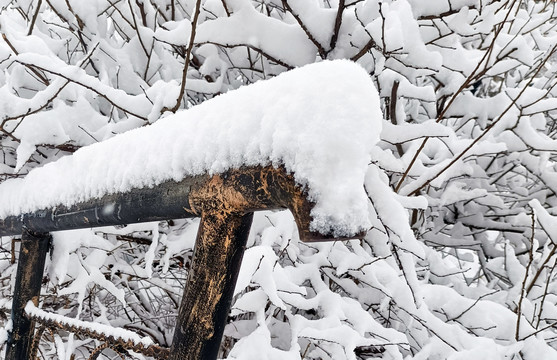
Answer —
460 262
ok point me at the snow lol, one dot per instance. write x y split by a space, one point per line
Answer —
397 134
438 276
428 8
547 222
318 20
175 32
3 336
319 121
136 105
249 27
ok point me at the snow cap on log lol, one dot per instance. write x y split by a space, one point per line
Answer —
319 122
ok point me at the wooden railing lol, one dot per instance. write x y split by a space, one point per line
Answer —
225 203
324 140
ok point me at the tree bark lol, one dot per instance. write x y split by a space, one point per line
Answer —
219 249
29 276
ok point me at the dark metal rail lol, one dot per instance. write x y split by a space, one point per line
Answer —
224 202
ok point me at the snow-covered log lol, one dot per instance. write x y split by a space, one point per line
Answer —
319 122
218 162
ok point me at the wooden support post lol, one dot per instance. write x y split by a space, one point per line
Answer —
29 276
225 202
219 248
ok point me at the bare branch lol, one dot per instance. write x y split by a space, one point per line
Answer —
228 13
40 76
186 60
392 112
523 288
310 36
338 23
469 80
495 122
34 19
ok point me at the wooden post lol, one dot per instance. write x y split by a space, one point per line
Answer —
29 276
219 248
225 202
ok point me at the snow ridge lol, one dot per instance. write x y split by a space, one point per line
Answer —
319 121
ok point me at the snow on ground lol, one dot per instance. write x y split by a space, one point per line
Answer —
311 120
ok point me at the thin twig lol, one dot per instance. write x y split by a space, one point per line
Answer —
34 19
545 292
80 22
469 80
392 112
338 23
96 91
310 36
41 77
136 28
535 278
49 100
186 60
228 13
368 46
473 304
523 288
491 126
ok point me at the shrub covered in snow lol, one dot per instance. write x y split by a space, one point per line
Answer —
460 259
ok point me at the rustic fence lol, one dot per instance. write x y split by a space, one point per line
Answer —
110 183
224 202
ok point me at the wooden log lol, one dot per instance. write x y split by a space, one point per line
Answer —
219 249
259 188
29 276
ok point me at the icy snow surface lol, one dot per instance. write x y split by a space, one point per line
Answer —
320 121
